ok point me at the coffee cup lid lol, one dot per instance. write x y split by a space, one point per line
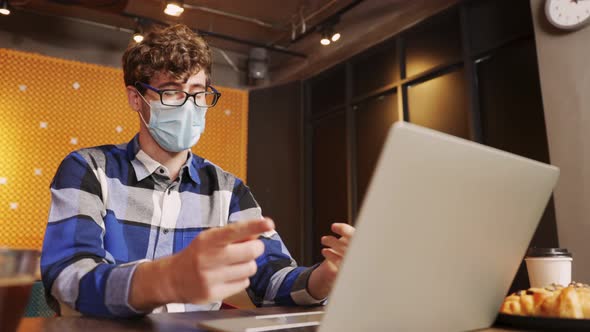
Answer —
548 252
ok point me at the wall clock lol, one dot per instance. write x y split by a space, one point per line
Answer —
568 14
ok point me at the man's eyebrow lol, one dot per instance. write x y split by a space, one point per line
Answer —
198 85
177 85
169 85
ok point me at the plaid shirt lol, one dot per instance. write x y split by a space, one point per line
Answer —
113 207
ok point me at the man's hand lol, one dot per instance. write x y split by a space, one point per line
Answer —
322 278
215 265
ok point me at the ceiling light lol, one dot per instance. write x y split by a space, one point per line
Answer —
138 37
329 35
4 9
137 32
335 37
174 8
325 39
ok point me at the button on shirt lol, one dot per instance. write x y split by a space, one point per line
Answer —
113 207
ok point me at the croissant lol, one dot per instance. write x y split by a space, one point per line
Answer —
555 301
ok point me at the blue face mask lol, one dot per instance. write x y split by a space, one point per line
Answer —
175 128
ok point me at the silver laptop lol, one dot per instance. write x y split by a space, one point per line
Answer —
440 235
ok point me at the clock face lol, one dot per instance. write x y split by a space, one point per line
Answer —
568 14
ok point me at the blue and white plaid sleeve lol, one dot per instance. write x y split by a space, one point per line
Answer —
76 269
278 280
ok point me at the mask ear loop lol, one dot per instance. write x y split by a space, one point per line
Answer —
145 101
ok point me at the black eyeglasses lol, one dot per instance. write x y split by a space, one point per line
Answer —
207 98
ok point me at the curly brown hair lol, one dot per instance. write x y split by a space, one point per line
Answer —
175 50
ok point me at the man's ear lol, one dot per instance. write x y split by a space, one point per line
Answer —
133 98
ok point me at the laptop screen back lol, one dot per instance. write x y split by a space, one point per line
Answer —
440 235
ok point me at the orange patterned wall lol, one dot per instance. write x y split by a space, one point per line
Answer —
50 107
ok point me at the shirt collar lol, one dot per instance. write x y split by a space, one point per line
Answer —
191 164
145 166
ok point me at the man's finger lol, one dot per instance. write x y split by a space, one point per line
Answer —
233 253
233 272
241 252
224 290
343 229
332 256
335 244
237 231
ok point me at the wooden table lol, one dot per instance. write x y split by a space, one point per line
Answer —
167 322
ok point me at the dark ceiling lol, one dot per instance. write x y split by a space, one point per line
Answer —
234 25
287 28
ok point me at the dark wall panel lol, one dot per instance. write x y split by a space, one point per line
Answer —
433 43
374 117
376 69
275 159
510 101
328 90
512 120
484 17
441 103
330 193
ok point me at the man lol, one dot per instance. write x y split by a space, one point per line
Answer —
150 227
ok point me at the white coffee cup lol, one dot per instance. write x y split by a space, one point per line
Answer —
548 266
